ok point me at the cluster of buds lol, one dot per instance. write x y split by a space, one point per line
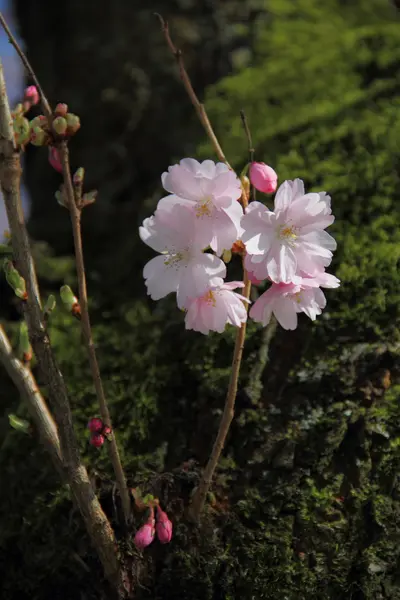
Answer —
42 131
99 432
162 526
24 346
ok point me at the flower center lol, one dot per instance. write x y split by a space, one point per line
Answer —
204 208
296 297
173 259
287 233
209 297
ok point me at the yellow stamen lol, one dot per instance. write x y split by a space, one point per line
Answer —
209 297
204 208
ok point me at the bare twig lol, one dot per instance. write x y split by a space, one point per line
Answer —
26 63
75 212
36 404
250 146
96 522
200 109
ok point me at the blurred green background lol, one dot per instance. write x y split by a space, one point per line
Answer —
307 497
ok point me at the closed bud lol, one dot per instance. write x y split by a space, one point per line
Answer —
61 109
39 121
22 130
50 305
107 431
15 280
163 527
31 95
54 159
145 535
60 125
95 425
68 298
89 198
24 346
238 248
73 123
79 176
38 136
97 440
263 177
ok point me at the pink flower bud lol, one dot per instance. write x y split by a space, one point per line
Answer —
31 95
54 159
263 177
107 430
163 527
61 109
145 535
95 425
97 440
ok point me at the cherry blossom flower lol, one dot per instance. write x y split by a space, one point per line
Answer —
215 308
211 191
290 239
182 266
263 177
145 535
285 300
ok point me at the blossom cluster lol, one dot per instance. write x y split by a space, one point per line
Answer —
202 217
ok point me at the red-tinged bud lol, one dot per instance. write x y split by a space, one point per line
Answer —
145 535
79 176
39 121
107 431
31 95
163 527
97 440
263 177
61 110
54 159
95 425
60 125
73 123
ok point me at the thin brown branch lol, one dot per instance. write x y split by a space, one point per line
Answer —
36 404
26 63
250 146
75 213
96 522
200 109
201 492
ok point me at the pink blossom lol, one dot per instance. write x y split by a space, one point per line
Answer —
145 535
285 300
217 307
211 191
54 159
31 95
182 266
263 177
163 527
290 239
